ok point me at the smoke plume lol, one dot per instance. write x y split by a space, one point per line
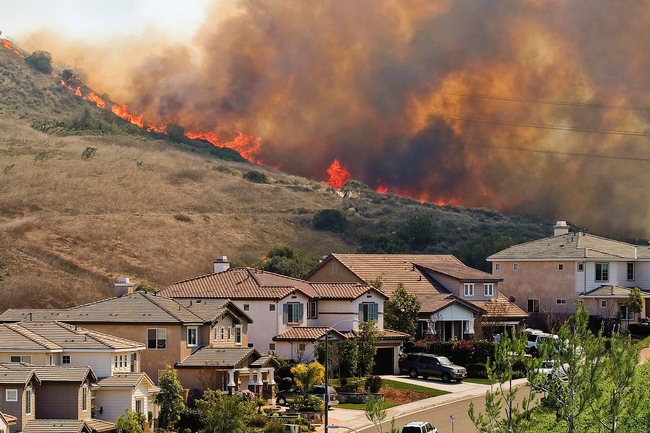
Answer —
522 106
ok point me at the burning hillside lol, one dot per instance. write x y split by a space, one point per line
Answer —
519 106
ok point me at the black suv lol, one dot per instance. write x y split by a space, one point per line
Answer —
425 365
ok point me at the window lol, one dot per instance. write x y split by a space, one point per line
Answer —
627 313
334 268
271 307
602 271
488 289
581 267
302 347
11 395
515 266
238 334
192 337
139 405
134 361
229 333
469 289
560 301
368 311
27 359
157 338
313 310
28 402
121 361
271 346
533 305
51 360
65 359
497 266
603 304
247 307
115 361
292 312
560 266
630 271
84 399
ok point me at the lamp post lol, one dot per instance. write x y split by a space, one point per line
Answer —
327 362
341 426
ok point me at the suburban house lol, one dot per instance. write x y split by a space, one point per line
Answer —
6 421
547 276
172 332
17 395
292 314
454 297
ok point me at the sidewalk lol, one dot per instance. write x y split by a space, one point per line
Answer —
357 420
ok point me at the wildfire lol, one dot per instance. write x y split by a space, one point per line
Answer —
8 45
77 92
94 98
338 174
247 145
123 112
382 189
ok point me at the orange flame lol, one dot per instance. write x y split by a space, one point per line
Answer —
248 145
338 175
78 91
382 189
208 136
96 99
6 44
123 112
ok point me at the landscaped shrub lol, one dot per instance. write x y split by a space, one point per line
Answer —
462 352
331 220
484 350
308 403
477 370
256 177
373 384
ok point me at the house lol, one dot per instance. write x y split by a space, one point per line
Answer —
115 393
6 421
453 296
291 314
17 395
67 426
546 277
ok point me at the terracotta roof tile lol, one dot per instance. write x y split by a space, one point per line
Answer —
501 307
213 357
308 333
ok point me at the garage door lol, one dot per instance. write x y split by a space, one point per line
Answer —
384 361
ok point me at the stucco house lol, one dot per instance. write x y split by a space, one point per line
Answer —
6 421
546 277
454 297
291 314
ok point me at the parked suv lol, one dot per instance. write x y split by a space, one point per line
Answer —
419 427
425 365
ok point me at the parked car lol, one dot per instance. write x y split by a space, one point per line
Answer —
288 396
425 365
419 427
640 330
535 339
553 371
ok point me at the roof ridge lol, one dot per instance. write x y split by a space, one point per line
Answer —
29 334
167 310
198 278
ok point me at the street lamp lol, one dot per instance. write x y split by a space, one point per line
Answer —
327 361
341 426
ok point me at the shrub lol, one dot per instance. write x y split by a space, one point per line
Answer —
477 370
462 351
308 402
89 152
256 177
373 384
331 220
41 61
182 217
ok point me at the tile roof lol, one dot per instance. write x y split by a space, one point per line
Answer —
612 291
51 373
137 307
458 270
56 336
11 376
57 426
218 357
308 333
126 380
386 334
9 419
501 307
573 246
251 283
99 426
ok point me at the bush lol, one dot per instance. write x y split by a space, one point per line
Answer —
256 177
41 61
331 220
477 370
89 152
462 351
308 402
373 384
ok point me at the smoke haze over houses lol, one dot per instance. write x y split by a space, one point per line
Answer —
522 106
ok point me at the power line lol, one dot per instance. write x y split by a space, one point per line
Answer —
545 101
554 127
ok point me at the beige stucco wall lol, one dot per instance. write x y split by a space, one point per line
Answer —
539 280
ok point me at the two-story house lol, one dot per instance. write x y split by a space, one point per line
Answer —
292 314
6 421
453 296
547 276
17 395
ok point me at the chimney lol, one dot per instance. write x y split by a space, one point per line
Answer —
560 228
123 287
221 264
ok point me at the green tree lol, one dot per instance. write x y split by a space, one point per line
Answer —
330 220
376 413
369 336
502 413
401 311
289 261
634 302
474 251
130 422
224 413
418 231
308 375
347 352
41 61
169 399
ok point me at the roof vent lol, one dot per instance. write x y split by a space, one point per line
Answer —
560 228
221 264
123 287
512 299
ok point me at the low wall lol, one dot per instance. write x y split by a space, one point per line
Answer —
357 397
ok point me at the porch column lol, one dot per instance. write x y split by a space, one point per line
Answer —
231 381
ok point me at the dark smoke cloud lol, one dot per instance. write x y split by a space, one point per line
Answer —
361 80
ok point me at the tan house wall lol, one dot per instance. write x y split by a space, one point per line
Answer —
539 280
194 378
37 358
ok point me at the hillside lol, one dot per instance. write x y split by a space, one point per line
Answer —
141 207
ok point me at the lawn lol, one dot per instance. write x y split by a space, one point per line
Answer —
396 393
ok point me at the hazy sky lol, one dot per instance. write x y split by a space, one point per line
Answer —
97 19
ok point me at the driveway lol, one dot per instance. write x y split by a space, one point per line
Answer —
453 387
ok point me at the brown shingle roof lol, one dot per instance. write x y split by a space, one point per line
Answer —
125 380
52 373
16 376
9 419
57 426
308 333
573 246
99 426
612 291
501 307
212 357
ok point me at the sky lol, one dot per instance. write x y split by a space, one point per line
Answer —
97 19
